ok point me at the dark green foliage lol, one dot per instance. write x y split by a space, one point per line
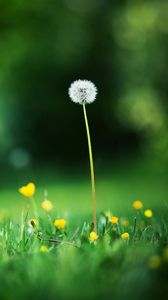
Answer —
120 45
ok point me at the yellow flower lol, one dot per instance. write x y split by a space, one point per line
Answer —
165 254
33 222
43 249
137 204
28 190
154 262
114 220
93 236
125 223
148 213
47 205
125 236
60 223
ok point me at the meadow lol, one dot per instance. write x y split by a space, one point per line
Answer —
77 225
39 259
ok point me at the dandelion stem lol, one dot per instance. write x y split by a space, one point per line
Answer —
91 169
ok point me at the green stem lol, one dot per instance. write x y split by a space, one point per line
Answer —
91 169
22 226
134 230
35 207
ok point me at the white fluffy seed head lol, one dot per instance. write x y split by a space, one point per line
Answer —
83 91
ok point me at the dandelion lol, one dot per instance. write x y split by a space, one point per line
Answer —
47 205
84 92
137 204
43 249
154 262
125 236
33 224
93 236
28 190
148 213
114 220
30 230
60 223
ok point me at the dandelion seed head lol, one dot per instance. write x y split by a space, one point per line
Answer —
82 92
30 230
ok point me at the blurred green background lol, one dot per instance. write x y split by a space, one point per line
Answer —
122 46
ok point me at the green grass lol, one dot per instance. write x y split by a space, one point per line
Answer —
110 268
117 186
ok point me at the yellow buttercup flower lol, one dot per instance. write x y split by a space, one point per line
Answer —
165 254
28 190
125 223
60 223
125 236
148 213
137 204
47 205
154 262
93 236
114 220
43 249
